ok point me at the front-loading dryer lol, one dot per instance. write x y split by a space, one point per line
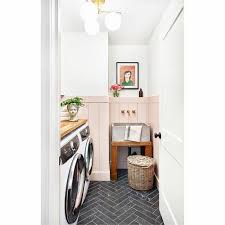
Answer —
72 179
87 150
88 158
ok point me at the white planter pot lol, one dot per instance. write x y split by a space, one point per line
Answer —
73 112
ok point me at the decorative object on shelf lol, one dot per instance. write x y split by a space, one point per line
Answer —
140 172
141 93
90 11
73 106
116 88
127 74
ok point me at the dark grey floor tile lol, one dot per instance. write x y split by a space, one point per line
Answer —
105 193
145 217
124 216
125 208
129 219
155 205
105 218
159 219
144 205
155 199
123 203
142 221
144 211
122 198
134 223
92 223
113 203
89 206
98 221
85 213
106 203
86 220
90 201
106 212
156 212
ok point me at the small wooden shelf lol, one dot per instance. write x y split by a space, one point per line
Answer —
148 152
66 127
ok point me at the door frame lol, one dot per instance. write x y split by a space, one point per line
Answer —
50 98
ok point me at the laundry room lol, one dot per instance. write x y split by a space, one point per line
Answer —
112 112
121 69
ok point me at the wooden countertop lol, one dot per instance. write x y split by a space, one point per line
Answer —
67 127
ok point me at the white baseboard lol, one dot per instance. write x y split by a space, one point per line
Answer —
166 211
100 176
156 181
164 207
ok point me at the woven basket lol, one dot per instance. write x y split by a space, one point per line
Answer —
140 172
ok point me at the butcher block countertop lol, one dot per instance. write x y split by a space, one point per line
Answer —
67 127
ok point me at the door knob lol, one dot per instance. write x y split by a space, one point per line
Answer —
157 135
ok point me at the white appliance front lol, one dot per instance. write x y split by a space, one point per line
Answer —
87 150
72 181
72 178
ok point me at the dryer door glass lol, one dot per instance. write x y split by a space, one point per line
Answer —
74 188
89 155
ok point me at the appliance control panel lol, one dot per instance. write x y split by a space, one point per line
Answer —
68 150
85 133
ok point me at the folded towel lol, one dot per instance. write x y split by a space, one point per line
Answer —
127 130
134 133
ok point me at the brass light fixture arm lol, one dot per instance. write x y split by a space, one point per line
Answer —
102 2
107 11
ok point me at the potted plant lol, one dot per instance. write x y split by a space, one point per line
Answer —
116 88
73 106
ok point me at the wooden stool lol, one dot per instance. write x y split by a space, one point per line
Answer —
148 152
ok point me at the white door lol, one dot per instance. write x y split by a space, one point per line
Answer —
171 123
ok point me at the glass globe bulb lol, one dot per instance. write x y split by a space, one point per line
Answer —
91 27
113 21
88 11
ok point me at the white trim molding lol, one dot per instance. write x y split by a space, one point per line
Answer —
50 113
100 176
156 181
168 216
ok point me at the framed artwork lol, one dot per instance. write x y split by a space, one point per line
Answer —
127 74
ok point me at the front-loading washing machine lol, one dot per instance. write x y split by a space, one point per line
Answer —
72 178
87 150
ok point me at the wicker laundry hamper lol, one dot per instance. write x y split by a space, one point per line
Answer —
140 172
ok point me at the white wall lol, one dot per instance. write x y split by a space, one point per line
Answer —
84 64
156 71
129 53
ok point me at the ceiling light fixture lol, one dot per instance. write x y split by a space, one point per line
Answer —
89 12
113 21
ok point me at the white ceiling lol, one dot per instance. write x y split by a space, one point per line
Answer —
139 18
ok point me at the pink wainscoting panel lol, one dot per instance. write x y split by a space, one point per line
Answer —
133 109
143 112
96 110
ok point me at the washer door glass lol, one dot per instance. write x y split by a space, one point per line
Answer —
74 188
89 155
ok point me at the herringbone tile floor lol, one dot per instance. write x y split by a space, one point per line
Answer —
116 203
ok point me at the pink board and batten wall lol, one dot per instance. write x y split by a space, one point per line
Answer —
101 112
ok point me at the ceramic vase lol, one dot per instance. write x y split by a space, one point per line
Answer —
116 94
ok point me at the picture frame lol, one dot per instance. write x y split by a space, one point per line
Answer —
127 75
